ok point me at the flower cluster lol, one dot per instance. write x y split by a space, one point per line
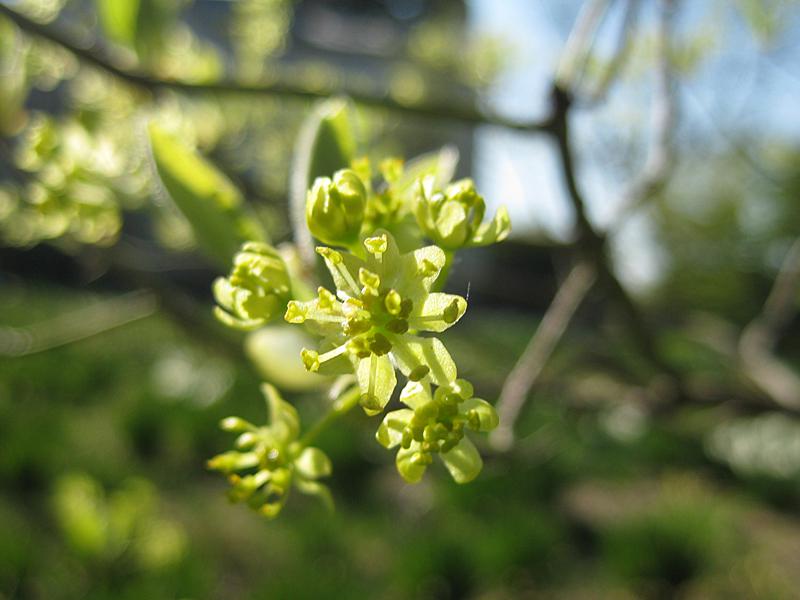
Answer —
270 459
367 325
257 289
380 316
453 218
435 424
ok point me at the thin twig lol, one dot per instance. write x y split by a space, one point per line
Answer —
780 305
758 339
591 245
76 325
541 346
576 49
619 56
97 58
660 155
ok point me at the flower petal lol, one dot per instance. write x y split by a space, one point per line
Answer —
415 394
390 431
437 312
313 463
315 488
481 416
493 231
452 225
343 268
377 381
463 461
409 468
418 270
411 352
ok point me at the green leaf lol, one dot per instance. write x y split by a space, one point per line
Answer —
208 200
119 19
313 463
463 461
325 145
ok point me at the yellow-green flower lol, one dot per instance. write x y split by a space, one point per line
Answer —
453 218
257 289
368 326
435 424
269 460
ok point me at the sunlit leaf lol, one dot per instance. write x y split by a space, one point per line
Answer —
208 200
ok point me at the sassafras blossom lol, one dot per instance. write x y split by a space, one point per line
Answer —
369 325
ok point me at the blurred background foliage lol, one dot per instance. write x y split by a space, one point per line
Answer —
114 375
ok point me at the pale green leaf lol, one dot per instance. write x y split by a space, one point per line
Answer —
208 200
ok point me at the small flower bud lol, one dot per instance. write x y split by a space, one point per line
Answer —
257 289
335 208
453 219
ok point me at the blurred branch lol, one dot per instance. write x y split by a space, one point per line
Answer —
76 325
781 303
744 154
758 339
592 247
590 244
579 43
660 156
530 364
620 55
96 57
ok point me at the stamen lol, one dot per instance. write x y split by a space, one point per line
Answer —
331 354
